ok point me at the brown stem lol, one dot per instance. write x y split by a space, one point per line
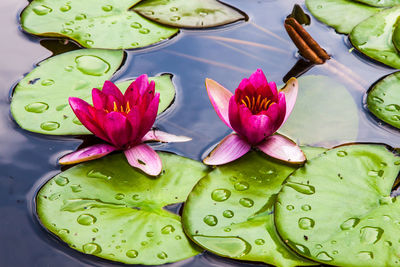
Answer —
307 46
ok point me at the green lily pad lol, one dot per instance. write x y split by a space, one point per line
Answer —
94 23
111 210
337 209
40 100
315 120
373 37
189 13
229 211
343 15
384 99
380 3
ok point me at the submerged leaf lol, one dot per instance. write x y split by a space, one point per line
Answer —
189 13
229 211
315 120
337 209
343 15
384 99
94 23
373 37
109 209
40 100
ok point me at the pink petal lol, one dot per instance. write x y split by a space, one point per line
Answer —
160 136
282 148
281 106
142 82
149 116
258 79
118 129
145 158
219 97
109 88
86 154
77 103
291 89
99 99
229 149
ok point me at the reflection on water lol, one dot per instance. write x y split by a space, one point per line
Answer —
225 54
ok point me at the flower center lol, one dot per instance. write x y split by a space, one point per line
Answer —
256 105
124 109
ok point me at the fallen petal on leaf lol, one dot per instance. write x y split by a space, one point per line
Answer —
282 148
86 154
160 136
229 149
145 158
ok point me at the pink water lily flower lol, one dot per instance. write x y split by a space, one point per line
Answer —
125 122
255 112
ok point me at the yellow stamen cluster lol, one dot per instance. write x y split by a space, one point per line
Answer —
256 105
121 108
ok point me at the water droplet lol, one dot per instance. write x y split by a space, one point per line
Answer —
63 232
302 188
290 207
86 219
202 13
150 234
42 10
370 235
365 255
119 196
388 243
350 223
47 82
220 194
162 255
61 107
392 107
65 8
107 8
132 253
136 25
99 175
374 173
232 246
91 248
397 162
246 202
233 179
178 237
341 153
92 65
174 9
174 18
228 214
80 17
77 121
395 118
144 31
167 230
385 200
76 188
67 31
134 44
54 196
335 252
306 223
323 256
144 243
136 197
333 242
37 107
69 68
90 43
241 186
210 220
377 99
95 230
61 180
149 12
306 207
318 246
259 241
386 218
50 125
301 248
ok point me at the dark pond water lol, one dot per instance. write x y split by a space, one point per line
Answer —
226 54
